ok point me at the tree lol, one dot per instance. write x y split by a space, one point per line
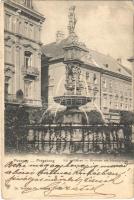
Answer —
95 117
126 117
16 119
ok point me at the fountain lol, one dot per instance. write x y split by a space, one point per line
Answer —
73 97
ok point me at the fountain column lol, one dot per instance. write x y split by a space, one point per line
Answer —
73 97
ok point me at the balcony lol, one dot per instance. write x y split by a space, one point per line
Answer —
33 102
30 72
12 99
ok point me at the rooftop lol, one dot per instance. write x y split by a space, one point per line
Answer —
55 51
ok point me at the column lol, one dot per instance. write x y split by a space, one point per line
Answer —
21 68
17 68
14 75
38 86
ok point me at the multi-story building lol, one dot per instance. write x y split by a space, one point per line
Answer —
22 52
106 80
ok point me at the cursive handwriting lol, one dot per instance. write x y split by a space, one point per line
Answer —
70 177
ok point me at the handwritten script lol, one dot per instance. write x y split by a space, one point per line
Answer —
65 177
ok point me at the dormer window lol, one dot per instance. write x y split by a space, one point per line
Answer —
106 65
28 3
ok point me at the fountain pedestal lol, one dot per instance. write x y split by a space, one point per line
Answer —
73 114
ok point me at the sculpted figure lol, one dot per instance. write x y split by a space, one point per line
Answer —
72 20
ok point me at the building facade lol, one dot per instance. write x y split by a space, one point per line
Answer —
105 79
132 61
22 53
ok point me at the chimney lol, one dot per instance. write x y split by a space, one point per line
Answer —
119 60
59 36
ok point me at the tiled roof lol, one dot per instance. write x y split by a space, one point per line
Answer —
55 51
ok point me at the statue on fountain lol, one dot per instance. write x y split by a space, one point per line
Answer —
72 20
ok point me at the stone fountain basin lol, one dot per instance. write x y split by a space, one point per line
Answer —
72 100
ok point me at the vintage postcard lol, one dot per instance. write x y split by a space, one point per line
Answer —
67 99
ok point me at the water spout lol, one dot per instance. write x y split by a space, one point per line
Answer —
58 86
86 86
44 114
57 108
99 110
85 114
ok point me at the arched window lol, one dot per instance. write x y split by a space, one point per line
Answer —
28 59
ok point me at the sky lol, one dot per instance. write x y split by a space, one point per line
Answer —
105 26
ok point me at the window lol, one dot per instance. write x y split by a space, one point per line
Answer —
95 79
8 54
31 31
18 26
110 104
87 76
111 101
121 105
130 104
8 22
105 102
126 106
26 28
116 101
110 84
104 83
10 86
37 33
27 88
117 105
28 59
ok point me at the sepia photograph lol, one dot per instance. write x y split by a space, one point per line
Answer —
62 96
68 98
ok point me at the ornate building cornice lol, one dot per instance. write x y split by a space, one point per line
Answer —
22 37
25 10
29 47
